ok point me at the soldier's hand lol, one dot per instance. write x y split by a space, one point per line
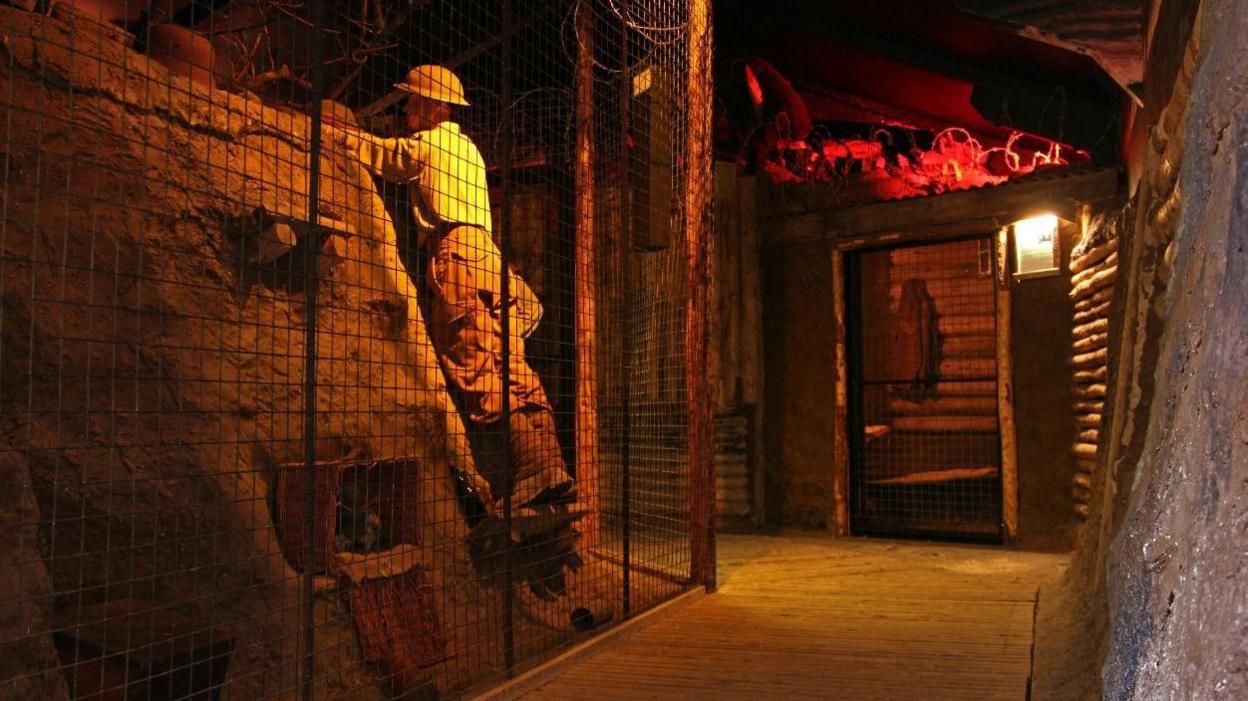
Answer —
334 135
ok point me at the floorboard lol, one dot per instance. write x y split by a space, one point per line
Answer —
806 617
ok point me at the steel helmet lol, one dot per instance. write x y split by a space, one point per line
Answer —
434 82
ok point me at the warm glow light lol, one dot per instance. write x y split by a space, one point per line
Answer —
1036 232
1036 248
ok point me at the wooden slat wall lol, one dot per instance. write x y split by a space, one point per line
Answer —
732 465
961 286
1094 269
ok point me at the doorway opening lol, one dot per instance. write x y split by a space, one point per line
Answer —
925 441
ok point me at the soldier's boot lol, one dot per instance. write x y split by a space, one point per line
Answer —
540 476
558 592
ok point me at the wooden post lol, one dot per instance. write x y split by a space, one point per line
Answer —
1005 393
840 435
586 289
698 220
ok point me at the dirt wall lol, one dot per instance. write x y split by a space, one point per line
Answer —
1041 322
1154 605
1176 585
799 361
153 375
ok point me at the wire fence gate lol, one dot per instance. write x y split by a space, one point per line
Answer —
926 445
350 350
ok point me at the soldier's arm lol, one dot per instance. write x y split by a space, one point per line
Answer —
396 160
527 309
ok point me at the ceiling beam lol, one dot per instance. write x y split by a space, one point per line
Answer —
1059 191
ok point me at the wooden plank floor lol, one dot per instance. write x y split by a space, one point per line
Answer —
811 617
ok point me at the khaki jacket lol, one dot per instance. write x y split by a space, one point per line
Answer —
445 175
442 168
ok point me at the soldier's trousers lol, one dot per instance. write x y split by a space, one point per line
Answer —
538 471
465 324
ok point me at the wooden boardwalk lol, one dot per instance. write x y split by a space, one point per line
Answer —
809 617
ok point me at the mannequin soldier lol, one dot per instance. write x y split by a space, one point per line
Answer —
445 175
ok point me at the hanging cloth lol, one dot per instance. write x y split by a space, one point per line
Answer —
918 312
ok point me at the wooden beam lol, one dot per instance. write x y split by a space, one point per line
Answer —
586 291
940 476
840 451
1005 391
1104 278
1090 343
1079 277
1000 205
1088 421
697 238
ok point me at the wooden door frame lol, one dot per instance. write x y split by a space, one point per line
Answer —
839 521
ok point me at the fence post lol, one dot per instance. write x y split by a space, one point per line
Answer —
509 614
698 241
626 332
586 286
311 282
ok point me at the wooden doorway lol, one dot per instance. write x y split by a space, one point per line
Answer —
923 372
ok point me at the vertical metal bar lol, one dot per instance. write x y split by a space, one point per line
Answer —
311 282
626 268
509 618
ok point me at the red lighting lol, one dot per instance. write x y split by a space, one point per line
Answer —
955 160
756 90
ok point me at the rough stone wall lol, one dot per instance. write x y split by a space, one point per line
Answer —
152 377
1177 590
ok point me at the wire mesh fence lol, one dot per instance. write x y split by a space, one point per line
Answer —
350 350
926 439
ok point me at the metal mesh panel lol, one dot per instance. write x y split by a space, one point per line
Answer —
350 350
926 443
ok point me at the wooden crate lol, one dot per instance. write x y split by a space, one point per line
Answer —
390 487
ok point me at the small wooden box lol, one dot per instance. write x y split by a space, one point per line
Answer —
388 487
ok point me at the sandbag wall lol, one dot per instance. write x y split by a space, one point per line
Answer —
1094 269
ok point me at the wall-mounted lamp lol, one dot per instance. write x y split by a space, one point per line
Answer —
1037 248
